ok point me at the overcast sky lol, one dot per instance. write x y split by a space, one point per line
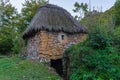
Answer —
69 4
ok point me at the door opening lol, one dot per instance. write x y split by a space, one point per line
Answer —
57 65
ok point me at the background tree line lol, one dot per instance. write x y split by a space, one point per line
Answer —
13 24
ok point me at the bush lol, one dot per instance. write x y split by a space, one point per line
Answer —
117 13
116 38
19 45
90 64
99 38
6 45
94 59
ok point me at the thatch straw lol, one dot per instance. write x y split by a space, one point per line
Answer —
53 18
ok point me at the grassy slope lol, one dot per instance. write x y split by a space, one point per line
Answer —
17 69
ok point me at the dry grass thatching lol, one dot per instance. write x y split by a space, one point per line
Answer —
53 18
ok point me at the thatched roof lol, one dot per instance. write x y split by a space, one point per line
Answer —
53 18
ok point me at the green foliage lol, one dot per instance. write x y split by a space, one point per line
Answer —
6 45
99 38
94 59
18 69
98 57
30 7
96 18
103 64
13 24
81 9
116 37
8 26
91 20
117 13
19 45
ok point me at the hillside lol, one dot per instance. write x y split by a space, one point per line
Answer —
18 69
98 57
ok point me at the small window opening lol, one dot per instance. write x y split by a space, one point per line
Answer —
62 37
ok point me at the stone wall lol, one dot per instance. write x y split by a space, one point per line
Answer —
32 47
51 45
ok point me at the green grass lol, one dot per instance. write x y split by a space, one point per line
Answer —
17 69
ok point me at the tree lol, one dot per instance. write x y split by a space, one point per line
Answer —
117 13
28 11
82 9
8 26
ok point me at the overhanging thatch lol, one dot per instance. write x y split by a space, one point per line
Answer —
53 18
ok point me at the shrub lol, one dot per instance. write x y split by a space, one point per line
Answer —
6 45
116 38
94 59
90 64
99 38
19 45
117 13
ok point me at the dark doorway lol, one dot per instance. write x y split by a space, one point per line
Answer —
57 65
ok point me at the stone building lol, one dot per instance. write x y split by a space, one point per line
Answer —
50 32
